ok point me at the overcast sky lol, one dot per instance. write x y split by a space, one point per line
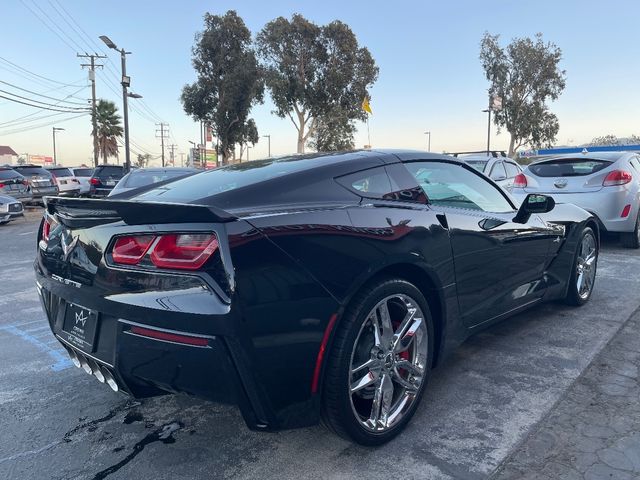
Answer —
430 75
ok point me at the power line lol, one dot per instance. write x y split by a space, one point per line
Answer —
26 129
43 108
71 109
16 66
20 121
39 94
47 25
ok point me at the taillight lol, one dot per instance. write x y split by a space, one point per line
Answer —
48 225
1 185
617 177
130 250
184 251
519 181
94 181
625 211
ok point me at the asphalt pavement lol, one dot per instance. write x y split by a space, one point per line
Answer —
482 407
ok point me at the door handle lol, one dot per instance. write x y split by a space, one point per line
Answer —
442 218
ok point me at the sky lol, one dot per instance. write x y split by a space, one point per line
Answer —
427 51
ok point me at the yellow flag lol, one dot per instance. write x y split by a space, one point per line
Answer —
365 106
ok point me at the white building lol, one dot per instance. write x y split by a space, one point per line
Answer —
7 155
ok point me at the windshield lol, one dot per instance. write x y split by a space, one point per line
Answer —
568 167
83 172
8 174
33 171
227 178
61 172
479 165
103 172
140 179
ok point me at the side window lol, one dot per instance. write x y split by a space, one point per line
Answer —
372 183
498 172
635 164
452 185
512 169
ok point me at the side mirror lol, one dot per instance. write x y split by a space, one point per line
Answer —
534 203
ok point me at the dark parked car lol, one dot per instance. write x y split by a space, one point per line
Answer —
104 178
41 182
142 177
14 185
308 287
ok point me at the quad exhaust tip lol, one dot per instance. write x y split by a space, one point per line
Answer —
92 368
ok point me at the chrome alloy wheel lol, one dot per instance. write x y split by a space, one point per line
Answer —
388 362
586 265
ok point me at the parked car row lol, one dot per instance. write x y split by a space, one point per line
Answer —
30 183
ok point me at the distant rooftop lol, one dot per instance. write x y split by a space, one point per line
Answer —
6 150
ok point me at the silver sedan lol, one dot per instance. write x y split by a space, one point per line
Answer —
607 184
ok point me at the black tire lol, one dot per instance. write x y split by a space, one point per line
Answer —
574 297
338 413
632 239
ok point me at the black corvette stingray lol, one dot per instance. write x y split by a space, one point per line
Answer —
303 288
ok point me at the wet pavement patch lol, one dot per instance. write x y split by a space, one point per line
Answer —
164 434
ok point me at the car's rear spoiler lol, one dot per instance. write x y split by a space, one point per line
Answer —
83 212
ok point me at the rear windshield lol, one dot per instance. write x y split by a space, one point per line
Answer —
33 171
228 178
140 179
83 172
109 172
477 164
61 172
6 174
568 167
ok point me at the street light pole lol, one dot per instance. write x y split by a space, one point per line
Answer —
55 129
268 137
125 82
429 141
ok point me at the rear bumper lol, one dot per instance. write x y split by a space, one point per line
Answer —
38 193
143 366
99 192
69 193
606 205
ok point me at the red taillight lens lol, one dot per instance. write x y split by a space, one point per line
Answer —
130 250
94 181
519 181
1 185
48 225
184 251
617 177
170 337
46 229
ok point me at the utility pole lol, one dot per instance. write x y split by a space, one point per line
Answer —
172 148
92 76
55 129
163 134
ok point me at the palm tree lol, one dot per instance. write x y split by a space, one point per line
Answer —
109 129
